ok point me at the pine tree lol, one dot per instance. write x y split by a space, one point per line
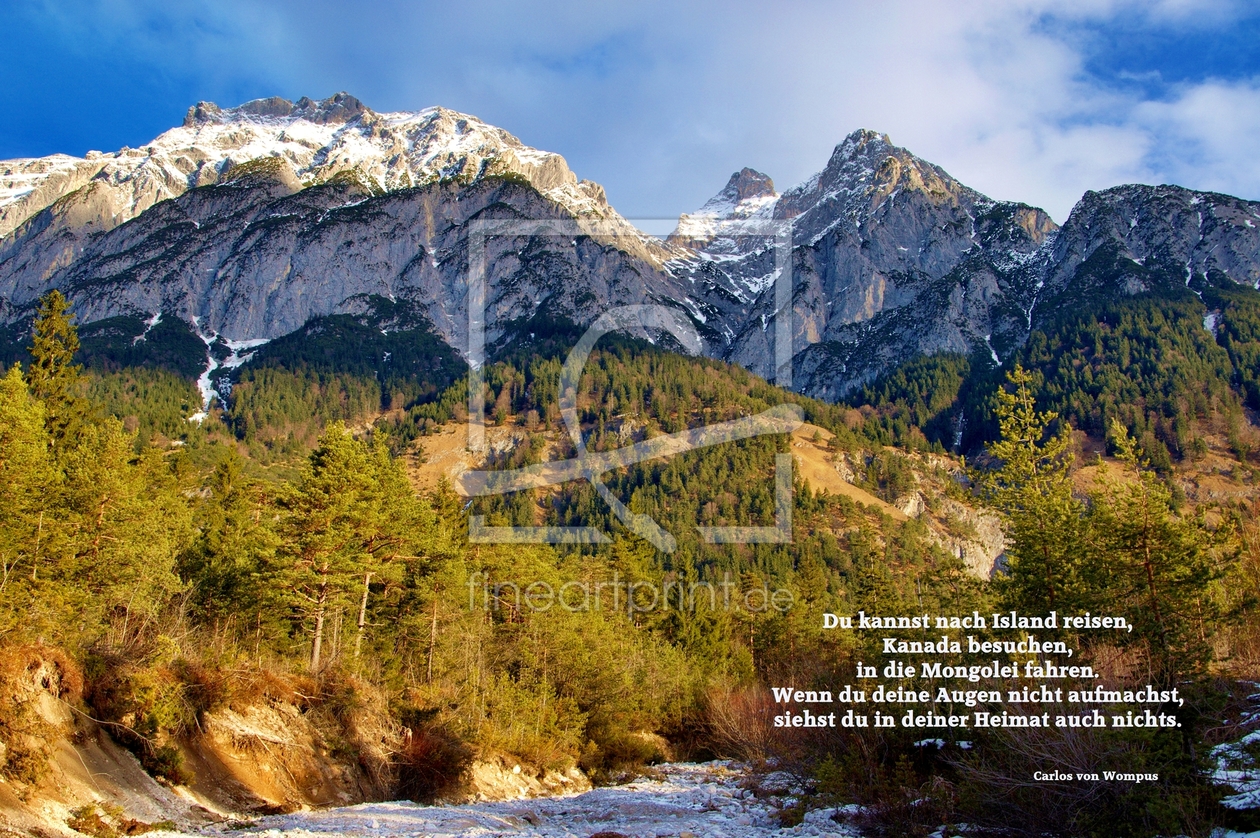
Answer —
1032 489
53 376
352 519
1154 565
237 542
126 521
26 485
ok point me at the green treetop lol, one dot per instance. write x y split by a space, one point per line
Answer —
1155 566
352 518
53 376
1033 491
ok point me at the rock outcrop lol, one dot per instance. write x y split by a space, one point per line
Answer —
891 258
1132 239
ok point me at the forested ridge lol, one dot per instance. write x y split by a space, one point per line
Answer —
1171 366
278 551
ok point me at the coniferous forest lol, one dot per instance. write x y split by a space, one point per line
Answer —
283 551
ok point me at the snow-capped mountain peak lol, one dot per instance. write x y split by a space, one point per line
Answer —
748 194
339 108
317 139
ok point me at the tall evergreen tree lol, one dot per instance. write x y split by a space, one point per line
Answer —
26 484
126 520
1033 491
1154 565
352 518
237 542
53 376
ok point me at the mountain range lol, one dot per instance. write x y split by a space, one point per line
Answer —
246 225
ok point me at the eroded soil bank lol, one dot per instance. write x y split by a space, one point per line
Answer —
66 773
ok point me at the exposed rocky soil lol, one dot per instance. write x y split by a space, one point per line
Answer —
243 763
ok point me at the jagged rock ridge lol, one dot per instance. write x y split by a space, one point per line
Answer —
892 257
317 140
247 222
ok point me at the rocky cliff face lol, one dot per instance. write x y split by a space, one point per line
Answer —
891 258
305 208
1136 238
248 222
256 257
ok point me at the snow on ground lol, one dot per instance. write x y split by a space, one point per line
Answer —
1238 769
148 327
706 800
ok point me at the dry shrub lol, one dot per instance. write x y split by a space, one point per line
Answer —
614 754
353 717
999 776
90 821
42 667
60 675
254 687
108 821
997 791
545 754
1241 651
144 707
205 689
430 763
741 725
907 805
903 790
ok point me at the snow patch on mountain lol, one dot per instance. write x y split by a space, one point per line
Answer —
148 327
210 387
748 194
205 382
236 347
317 141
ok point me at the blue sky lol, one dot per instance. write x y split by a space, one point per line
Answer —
1026 100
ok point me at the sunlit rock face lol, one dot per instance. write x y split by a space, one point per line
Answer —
248 222
891 258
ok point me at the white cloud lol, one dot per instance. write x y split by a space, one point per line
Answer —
1207 136
662 101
